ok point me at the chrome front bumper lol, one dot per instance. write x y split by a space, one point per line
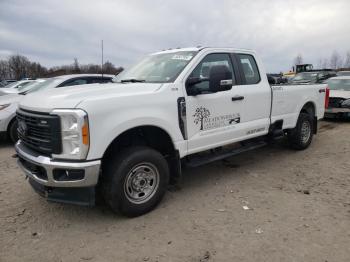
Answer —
91 169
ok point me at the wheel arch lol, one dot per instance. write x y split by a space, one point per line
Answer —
310 108
147 135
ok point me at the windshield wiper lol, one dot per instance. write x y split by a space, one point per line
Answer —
132 80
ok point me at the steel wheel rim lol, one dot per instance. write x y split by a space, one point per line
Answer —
141 183
305 132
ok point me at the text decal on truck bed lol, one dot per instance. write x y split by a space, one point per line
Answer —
202 116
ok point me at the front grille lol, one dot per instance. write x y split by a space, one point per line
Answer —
39 131
335 102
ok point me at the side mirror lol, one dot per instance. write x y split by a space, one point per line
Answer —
191 81
220 78
190 85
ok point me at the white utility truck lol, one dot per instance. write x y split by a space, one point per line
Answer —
178 107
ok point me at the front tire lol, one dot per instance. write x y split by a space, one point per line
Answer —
135 180
12 131
301 136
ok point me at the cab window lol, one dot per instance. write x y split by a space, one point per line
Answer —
249 68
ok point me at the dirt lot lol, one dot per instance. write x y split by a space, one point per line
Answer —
299 210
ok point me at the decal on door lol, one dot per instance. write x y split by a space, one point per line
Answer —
206 121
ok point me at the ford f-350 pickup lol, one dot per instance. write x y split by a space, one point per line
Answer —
178 107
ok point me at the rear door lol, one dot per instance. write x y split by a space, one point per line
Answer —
255 111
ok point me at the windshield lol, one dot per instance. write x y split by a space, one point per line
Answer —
158 68
339 84
305 77
52 82
30 85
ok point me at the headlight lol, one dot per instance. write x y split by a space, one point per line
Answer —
346 103
4 106
74 133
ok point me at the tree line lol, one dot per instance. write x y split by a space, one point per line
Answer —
336 61
18 67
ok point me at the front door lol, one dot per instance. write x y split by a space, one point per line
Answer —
213 109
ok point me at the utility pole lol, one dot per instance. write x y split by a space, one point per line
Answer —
102 58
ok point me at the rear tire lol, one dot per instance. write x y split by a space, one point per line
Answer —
301 136
135 180
12 131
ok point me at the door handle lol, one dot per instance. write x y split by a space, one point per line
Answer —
237 98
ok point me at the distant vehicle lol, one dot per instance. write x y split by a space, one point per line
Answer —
343 73
6 82
303 68
13 87
339 97
8 103
31 84
276 79
312 77
70 80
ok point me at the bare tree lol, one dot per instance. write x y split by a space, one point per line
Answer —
347 60
325 63
76 68
320 63
4 70
298 60
335 60
18 66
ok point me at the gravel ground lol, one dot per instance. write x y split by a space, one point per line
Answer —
299 210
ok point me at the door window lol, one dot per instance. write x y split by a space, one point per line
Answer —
206 68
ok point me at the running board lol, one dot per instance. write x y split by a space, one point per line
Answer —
202 160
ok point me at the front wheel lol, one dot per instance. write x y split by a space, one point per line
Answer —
301 136
135 180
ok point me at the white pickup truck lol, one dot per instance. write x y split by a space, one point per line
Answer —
178 107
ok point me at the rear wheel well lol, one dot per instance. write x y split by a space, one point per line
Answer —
150 136
310 109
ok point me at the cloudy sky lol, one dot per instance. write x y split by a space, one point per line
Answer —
54 32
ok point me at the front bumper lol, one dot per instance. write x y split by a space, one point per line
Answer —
41 169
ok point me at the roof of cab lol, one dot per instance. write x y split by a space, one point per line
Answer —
199 48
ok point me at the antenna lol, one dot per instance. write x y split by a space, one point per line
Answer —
102 58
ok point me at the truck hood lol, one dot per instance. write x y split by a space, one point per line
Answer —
339 93
72 96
